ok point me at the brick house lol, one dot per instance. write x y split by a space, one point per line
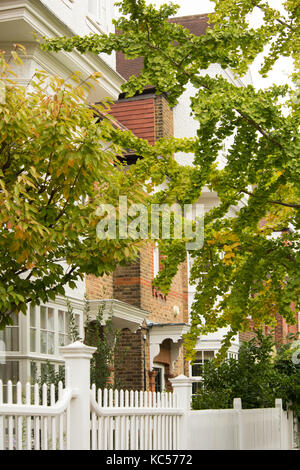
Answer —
152 324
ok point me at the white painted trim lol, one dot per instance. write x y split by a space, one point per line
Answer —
174 332
163 369
68 3
123 314
45 24
94 24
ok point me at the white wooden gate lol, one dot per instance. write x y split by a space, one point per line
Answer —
134 420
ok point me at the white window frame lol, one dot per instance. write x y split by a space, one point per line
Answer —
155 260
162 368
201 362
38 355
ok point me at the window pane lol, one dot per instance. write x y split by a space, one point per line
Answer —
15 371
61 324
44 369
196 370
50 343
208 355
2 372
50 319
61 340
43 342
196 386
67 325
9 371
198 356
33 371
32 316
43 318
32 340
15 338
7 338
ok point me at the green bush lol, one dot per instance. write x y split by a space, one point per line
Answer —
257 377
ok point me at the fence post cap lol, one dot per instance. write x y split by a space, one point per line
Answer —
181 379
237 403
77 349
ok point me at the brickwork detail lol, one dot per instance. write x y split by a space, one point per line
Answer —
164 127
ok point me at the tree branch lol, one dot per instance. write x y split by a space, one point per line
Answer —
293 205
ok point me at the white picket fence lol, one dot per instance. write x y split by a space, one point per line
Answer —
238 429
78 418
134 420
34 420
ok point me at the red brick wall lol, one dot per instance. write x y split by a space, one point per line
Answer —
280 332
164 126
99 287
130 368
126 280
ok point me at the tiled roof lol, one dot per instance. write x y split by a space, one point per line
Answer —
196 24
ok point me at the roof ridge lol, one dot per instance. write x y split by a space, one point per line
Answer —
200 15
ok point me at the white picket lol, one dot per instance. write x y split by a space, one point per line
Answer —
132 420
19 418
1 418
44 425
36 418
31 424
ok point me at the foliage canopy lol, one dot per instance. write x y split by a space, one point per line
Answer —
243 269
59 161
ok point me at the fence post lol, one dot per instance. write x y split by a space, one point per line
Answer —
237 405
77 365
182 388
278 405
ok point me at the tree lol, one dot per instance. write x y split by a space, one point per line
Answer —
257 377
242 270
59 161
